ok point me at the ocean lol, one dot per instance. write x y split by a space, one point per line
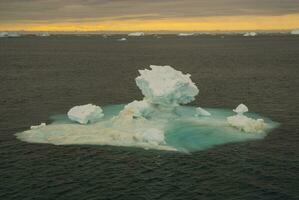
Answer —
46 76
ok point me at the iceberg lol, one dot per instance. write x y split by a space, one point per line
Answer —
185 34
166 86
250 34
9 34
159 121
3 34
85 113
295 32
44 34
136 34
122 39
244 123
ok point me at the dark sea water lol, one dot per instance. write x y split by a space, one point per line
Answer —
42 77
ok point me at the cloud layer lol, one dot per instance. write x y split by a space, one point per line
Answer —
80 10
148 14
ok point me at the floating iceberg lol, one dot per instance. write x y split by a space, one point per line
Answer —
244 123
158 121
85 113
250 34
122 39
10 34
295 32
3 34
166 86
44 34
136 34
185 34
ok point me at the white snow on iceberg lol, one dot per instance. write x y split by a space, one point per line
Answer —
85 113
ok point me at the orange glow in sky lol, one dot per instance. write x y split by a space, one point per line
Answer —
225 23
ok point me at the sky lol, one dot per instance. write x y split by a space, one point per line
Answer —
148 15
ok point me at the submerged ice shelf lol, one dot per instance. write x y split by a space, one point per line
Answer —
159 121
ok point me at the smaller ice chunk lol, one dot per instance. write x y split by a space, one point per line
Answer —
244 123
85 113
241 109
43 34
38 126
295 32
9 34
136 34
202 112
185 34
122 39
250 34
3 34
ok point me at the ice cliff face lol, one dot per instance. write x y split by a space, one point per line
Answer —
166 86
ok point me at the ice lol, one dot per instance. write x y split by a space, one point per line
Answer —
44 34
38 126
247 124
244 123
122 39
158 121
3 34
136 34
166 86
138 109
9 34
295 32
154 136
85 113
202 112
241 108
185 34
250 34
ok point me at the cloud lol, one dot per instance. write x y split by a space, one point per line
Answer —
97 10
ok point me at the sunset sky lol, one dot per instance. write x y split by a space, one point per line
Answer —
148 15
